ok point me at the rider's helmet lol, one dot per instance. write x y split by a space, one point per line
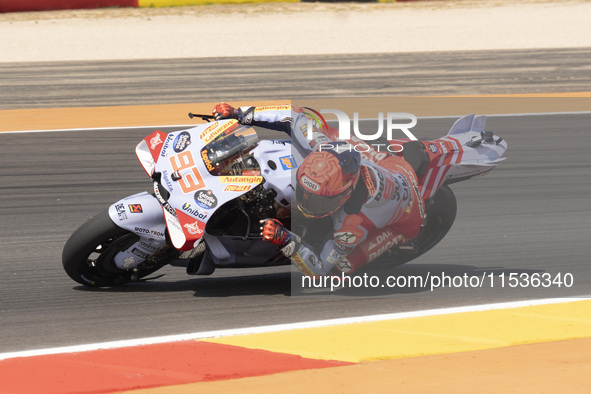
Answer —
325 181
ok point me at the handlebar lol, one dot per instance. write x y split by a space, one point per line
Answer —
207 118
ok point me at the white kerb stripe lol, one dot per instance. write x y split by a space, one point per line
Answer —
284 327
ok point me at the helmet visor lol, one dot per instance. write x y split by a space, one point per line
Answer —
316 206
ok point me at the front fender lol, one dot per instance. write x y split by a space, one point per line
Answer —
140 214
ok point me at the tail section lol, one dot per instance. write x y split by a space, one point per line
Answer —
468 123
465 152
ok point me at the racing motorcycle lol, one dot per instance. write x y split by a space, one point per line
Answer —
213 183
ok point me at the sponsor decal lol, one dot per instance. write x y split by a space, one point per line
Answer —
135 208
410 204
120 208
392 242
433 148
320 140
344 265
128 262
299 262
152 233
369 180
139 253
166 145
310 184
181 141
195 228
379 239
210 134
272 108
443 147
167 180
237 188
241 179
206 160
155 141
304 130
380 185
149 247
208 130
312 260
195 211
287 162
345 237
340 248
206 199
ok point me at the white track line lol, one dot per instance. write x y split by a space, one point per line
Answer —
364 119
284 327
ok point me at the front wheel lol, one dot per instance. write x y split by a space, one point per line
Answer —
89 252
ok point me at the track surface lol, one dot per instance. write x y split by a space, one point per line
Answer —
73 84
530 215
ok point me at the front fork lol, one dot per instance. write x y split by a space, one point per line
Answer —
140 214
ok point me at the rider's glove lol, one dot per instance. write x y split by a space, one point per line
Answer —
244 115
273 231
224 111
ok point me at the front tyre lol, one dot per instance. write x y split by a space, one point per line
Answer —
88 254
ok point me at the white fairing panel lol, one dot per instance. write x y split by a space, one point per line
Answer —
140 214
276 161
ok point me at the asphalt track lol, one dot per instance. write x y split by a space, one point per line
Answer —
531 215
109 83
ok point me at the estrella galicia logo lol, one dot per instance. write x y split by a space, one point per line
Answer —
181 141
433 148
206 199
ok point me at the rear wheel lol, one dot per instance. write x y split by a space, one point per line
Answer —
441 213
88 254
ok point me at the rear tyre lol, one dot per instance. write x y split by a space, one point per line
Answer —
88 254
441 214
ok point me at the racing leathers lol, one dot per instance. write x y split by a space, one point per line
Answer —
384 210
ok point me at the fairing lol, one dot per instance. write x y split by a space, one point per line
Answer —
198 171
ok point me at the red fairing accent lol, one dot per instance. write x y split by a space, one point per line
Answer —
155 142
441 163
192 227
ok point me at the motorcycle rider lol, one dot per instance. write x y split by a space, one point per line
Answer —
373 199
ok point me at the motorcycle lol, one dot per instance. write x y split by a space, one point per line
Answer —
213 183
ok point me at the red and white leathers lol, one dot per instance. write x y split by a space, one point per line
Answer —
384 210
